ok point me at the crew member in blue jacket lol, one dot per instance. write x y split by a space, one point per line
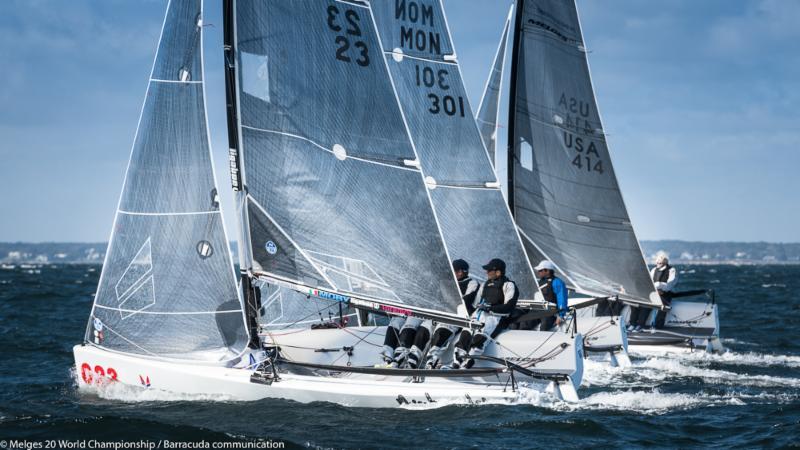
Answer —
554 291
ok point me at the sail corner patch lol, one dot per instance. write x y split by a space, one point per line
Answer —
430 182
397 54
339 152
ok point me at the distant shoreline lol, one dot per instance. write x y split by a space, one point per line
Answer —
680 252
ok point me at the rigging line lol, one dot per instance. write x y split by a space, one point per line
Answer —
165 313
357 158
419 58
191 213
158 80
362 339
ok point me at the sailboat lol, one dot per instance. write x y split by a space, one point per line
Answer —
565 196
336 209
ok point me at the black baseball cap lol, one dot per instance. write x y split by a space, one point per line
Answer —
495 264
460 264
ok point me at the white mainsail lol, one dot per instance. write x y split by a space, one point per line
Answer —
167 288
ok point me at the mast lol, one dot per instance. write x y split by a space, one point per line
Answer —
512 105
249 295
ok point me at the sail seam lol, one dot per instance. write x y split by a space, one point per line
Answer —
167 313
366 160
420 58
191 213
158 80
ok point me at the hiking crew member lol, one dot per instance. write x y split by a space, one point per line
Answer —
497 298
554 291
443 332
664 278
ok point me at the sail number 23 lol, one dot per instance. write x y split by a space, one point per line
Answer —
346 27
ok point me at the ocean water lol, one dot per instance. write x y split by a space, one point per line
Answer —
745 398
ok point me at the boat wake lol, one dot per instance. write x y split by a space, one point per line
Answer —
133 394
655 370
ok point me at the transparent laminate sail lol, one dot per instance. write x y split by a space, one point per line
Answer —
167 287
335 201
564 193
489 108
475 221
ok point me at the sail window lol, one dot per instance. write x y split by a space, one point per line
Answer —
255 75
584 219
558 119
204 249
339 152
184 75
526 155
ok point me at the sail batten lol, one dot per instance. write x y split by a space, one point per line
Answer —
562 185
167 287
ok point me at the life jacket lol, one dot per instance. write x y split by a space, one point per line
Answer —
463 284
546 286
493 291
661 275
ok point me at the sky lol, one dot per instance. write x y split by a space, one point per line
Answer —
700 101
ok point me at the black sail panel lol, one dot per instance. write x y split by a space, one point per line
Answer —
566 199
327 159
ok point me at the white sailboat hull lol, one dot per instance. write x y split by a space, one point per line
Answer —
604 337
689 327
97 367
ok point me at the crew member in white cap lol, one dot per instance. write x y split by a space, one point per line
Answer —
664 277
554 291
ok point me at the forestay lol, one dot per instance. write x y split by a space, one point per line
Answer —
167 288
335 201
564 192
476 223
488 116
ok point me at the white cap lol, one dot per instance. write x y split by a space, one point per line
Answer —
545 264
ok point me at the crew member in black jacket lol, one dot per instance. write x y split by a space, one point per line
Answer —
496 300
